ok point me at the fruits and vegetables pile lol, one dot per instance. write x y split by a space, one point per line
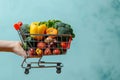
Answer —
52 37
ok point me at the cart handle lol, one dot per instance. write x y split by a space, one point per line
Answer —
18 25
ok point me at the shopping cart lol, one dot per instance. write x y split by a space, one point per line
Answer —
32 46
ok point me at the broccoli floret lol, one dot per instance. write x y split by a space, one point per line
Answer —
59 24
25 28
64 28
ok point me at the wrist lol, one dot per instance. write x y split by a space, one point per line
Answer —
7 46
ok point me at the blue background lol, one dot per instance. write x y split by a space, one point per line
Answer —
94 53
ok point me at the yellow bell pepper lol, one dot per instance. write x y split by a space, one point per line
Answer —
39 52
35 28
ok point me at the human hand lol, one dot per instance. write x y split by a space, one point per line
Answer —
17 49
12 46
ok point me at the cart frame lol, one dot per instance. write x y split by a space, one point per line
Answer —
39 64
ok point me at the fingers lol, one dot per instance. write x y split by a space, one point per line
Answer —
19 49
23 51
20 43
24 54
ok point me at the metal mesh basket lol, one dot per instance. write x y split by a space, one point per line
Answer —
60 43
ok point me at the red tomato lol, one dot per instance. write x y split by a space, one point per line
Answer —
64 45
41 45
47 51
31 51
56 51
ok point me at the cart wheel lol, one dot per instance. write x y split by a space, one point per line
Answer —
58 71
26 71
58 64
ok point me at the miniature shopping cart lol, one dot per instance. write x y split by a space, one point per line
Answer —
49 47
